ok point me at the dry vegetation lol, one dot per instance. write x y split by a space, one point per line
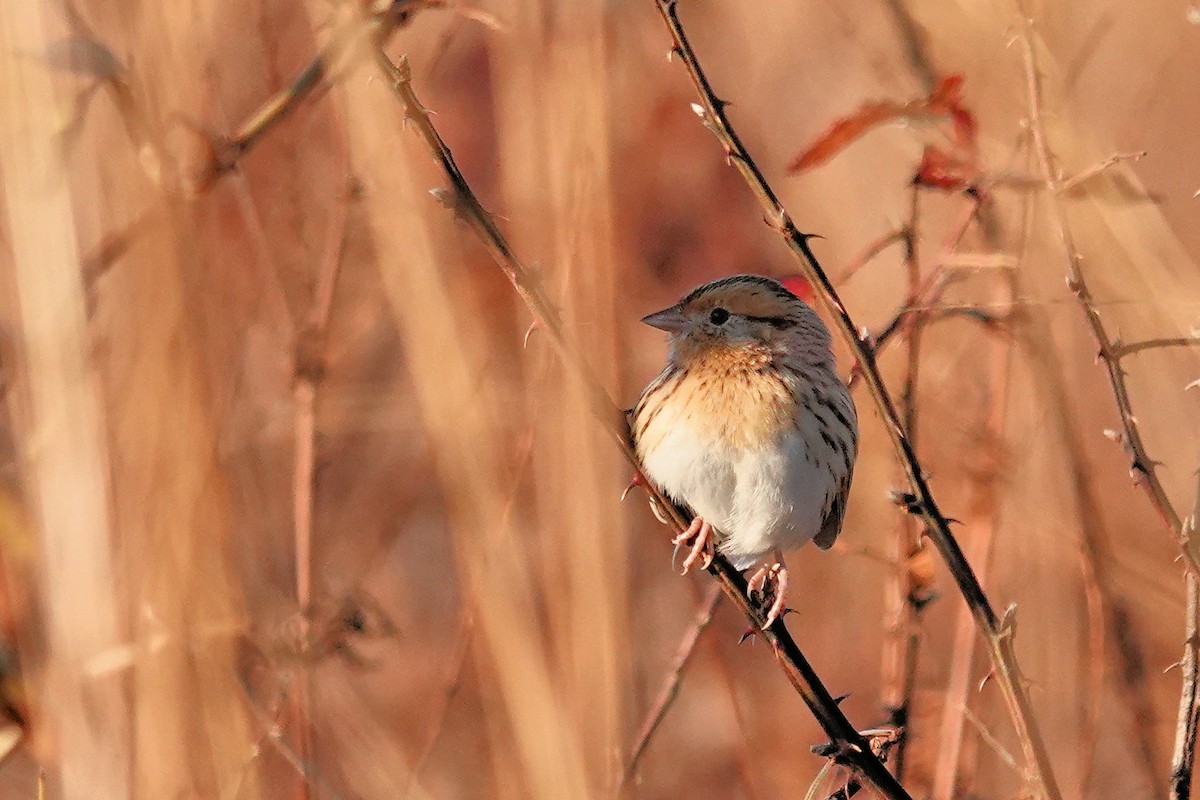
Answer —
293 505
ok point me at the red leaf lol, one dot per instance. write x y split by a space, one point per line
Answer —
940 170
844 131
946 100
799 286
948 91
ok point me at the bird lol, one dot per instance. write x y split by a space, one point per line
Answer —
750 427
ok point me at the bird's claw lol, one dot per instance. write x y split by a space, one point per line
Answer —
775 574
699 538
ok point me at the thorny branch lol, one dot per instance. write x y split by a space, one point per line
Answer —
998 632
223 152
848 747
907 592
1142 467
1110 352
1121 349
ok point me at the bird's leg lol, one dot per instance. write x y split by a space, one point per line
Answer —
770 573
698 537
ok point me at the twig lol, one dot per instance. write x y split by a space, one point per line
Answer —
1121 349
670 686
1141 463
1183 755
908 593
1142 466
308 371
931 293
1083 176
849 746
873 251
997 632
984 521
225 151
991 739
815 786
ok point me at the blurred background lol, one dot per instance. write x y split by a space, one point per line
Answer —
288 507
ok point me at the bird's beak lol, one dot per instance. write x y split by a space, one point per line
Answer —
671 320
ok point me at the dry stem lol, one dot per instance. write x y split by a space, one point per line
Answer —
998 632
670 687
907 594
848 746
1141 465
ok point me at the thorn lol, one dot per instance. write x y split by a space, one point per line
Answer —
533 326
700 111
1008 622
749 633
1113 435
636 480
986 678
837 701
443 196
780 221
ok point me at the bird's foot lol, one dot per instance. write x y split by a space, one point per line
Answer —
701 543
774 575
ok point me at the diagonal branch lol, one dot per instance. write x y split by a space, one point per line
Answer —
670 687
1142 467
848 747
1184 753
1122 349
997 632
1110 351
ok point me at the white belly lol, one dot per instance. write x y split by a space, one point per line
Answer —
758 498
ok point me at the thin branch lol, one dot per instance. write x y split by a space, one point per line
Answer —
1141 463
989 737
983 523
1142 466
815 786
1183 755
225 151
850 748
1083 176
874 250
908 593
670 687
1120 349
308 371
998 632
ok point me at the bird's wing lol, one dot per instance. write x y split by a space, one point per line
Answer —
834 514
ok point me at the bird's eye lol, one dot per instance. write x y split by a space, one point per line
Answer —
718 316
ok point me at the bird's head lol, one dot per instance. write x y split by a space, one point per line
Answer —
746 313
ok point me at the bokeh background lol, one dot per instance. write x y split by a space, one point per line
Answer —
288 507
